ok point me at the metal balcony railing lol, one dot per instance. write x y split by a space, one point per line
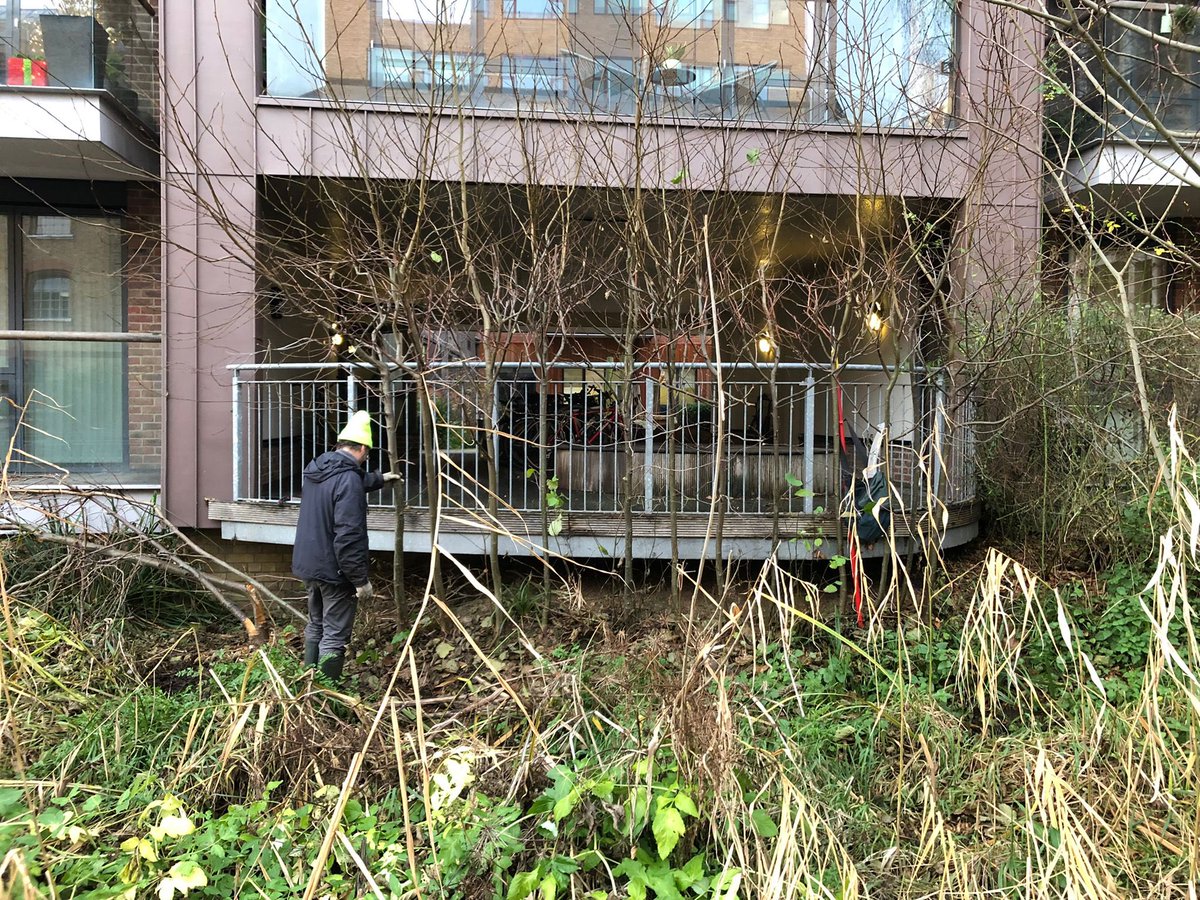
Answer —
758 439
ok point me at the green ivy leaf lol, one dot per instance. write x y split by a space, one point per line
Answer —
752 156
522 885
565 805
668 828
435 256
764 825
685 805
691 873
556 526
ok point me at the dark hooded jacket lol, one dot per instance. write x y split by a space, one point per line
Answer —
331 536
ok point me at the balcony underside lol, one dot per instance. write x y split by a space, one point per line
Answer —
1153 179
63 133
597 534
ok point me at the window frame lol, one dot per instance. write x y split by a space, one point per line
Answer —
551 9
31 278
619 7
15 299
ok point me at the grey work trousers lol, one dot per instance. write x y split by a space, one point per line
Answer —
330 616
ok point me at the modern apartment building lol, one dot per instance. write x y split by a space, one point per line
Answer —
826 195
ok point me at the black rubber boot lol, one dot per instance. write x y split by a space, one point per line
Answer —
312 653
331 668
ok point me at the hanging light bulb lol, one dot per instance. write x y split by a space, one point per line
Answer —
874 322
338 339
765 346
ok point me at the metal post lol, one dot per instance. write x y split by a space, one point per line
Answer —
351 391
648 449
939 414
237 438
810 423
496 423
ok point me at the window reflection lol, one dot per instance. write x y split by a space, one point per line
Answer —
883 63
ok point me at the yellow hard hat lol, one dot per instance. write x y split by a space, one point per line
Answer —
358 429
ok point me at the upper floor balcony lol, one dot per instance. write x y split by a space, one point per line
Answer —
874 63
81 73
1124 101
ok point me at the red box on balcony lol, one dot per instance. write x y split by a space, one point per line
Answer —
22 70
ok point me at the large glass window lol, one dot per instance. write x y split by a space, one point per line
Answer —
894 61
429 12
686 13
538 9
73 392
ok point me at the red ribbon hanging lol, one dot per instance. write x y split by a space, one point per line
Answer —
854 558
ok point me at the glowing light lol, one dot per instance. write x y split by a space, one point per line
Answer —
337 340
765 347
874 322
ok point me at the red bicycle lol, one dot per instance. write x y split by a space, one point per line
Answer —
589 420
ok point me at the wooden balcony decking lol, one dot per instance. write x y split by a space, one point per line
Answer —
588 534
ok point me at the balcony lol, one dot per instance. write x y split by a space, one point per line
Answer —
737 459
1157 77
885 64
84 75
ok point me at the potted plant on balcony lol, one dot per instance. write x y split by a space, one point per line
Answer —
28 70
670 71
76 49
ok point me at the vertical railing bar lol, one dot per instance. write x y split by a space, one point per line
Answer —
648 444
937 449
810 422
237 437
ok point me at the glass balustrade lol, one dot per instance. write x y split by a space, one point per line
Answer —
82 44
887 64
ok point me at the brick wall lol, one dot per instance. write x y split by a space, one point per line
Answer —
272 563
269 563
143 291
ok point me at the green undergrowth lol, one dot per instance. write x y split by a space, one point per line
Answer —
666 763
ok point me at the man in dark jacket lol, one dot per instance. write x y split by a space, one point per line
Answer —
331 552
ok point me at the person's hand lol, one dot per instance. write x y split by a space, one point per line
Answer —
392 476
364 591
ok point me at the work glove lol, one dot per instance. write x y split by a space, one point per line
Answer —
364 591
392 476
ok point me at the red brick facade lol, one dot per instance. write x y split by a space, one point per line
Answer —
143 291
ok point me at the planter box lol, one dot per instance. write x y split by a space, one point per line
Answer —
763 473
590 469
76 50
26 71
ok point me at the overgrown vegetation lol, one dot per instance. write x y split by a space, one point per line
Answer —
1065 464
1012 739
